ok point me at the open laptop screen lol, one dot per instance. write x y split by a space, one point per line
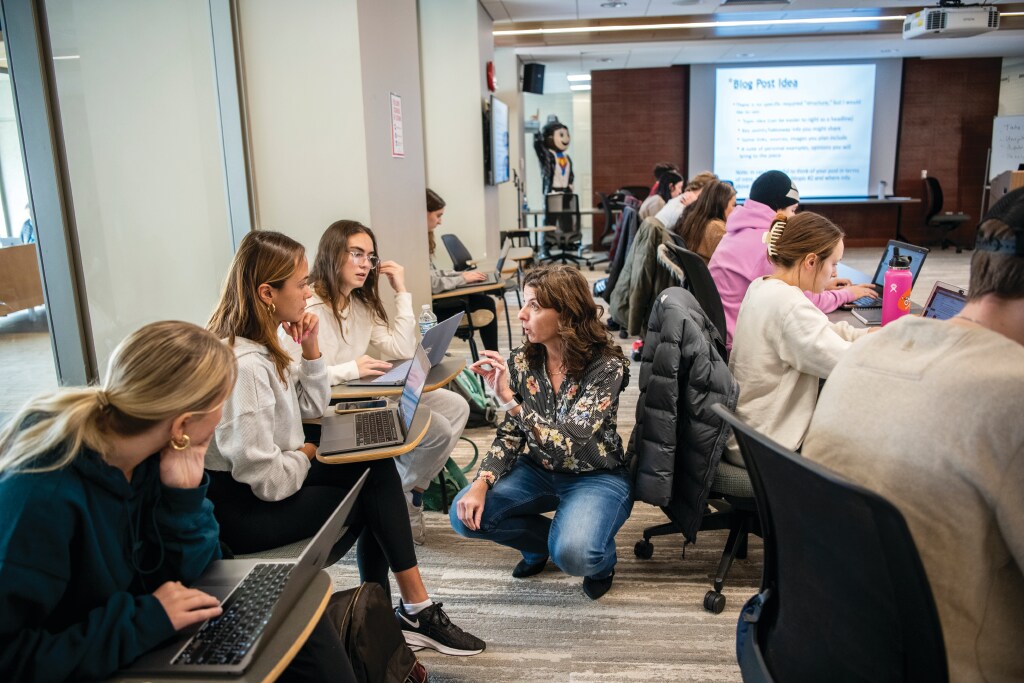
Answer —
915 254
414 383
945 303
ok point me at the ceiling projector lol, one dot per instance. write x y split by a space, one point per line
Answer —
950 22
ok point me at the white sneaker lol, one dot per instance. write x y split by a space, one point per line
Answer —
419 528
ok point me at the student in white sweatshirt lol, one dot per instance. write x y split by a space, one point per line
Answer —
266 485
345 279
784 344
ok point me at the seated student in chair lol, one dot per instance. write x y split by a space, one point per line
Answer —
482 309
669 186
784 345
947 447
267 487
102 493
702 224
740 258
346 298
557 448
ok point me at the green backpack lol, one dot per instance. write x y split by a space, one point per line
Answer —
454 481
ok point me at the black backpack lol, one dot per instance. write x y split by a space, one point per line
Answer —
372 637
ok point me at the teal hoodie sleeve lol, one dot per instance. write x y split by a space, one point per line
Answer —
188 531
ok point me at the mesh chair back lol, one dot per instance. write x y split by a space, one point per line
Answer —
457 251
933 197
700 282
849 599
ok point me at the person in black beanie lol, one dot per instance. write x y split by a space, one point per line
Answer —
742 255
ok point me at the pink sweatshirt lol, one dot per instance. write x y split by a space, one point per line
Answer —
742 257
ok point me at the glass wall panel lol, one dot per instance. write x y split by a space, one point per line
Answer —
137 96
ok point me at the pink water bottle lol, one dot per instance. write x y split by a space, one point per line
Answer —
896 290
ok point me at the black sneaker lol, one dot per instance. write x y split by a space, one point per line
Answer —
432 628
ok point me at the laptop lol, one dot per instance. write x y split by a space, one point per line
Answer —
495 277
256 596
943 303
349 432
435 342
916 255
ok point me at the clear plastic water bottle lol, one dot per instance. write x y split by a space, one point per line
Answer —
427 319
896 293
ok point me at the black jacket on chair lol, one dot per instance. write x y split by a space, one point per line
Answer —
678 440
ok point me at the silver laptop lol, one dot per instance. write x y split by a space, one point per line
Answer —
228 644
916 255
349 432
435 342
495 277
943 303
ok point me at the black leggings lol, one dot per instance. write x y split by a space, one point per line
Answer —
379 519
445 308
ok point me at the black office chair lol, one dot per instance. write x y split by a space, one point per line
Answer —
728 491
935 217
610 204
641 192
699 281
463 260
563 212
844 596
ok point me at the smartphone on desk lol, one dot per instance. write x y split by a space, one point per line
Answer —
356 406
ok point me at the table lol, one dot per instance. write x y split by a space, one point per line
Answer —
418 429
532 235
898 202
275 655
439 376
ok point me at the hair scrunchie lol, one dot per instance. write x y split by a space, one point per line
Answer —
102 399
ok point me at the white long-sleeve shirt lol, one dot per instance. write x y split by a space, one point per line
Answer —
260 433
782 346
359 334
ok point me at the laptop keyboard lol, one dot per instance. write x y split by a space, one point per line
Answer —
867 302
226 639
375 426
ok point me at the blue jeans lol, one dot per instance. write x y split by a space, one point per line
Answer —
589 510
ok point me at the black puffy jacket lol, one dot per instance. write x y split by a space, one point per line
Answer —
678 441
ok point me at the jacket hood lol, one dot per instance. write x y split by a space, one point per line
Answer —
751 216
245 347
90 465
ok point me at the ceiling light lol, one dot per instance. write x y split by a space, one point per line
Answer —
614 4
685 2
578 77
579 87
736 23
746 55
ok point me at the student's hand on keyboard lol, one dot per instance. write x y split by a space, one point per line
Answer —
186 606
838 283
863 290
471 276
369 366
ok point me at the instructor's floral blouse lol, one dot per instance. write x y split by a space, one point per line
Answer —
573 431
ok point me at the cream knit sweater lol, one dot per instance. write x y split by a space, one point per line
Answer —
782 346
260 433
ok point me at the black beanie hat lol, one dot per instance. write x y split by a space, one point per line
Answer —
775 190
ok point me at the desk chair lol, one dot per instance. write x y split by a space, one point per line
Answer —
563 211
934 216
669 423
463 260
610 204
844 596
641 192
699 281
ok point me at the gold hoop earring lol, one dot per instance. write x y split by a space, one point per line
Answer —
182 443
271 308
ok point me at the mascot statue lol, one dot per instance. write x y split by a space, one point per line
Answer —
555 164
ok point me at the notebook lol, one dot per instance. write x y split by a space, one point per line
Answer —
943 303
349 432
435 342
916 255
256 596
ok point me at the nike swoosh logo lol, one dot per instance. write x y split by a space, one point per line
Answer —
414 624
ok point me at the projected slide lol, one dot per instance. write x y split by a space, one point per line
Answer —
813 122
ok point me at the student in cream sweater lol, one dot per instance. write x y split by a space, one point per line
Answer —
784 344
345 279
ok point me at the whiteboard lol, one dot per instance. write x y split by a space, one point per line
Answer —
1007 144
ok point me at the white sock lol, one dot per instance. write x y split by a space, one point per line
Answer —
412 608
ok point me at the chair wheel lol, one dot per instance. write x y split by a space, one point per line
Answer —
644 549
714 602
623 333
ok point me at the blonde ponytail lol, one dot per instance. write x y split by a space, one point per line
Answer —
161 371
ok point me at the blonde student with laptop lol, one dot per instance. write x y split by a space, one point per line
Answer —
267 487
346 298
102 493
784 344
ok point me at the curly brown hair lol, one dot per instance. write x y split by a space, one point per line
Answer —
584 338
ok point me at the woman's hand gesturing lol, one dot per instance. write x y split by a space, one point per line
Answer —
495 373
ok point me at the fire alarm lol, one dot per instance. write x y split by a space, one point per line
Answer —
492 81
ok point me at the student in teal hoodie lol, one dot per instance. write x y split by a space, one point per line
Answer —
104 509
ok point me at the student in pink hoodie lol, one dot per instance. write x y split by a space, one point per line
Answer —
742 256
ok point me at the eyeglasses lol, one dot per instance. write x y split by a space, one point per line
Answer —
358 257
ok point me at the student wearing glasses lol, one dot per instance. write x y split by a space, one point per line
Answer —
267 487
345 281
